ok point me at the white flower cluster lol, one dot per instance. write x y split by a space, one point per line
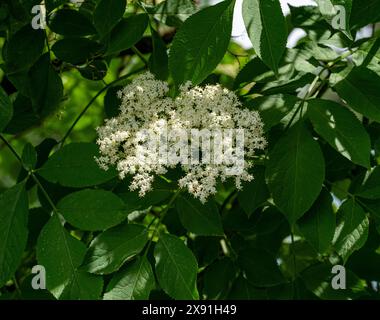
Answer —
146 106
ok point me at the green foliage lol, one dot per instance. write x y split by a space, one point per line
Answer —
266 28
314 201
14 232
69 22
6 109
92 210
127 32
352 229
76 50
289 164
176 268
46 86
61 254
24 40
342 130
74 166
254 193
318 224
109 250
362 98
158 61
106 15
201 219
133 283
260 267
201 43
29 157
371 188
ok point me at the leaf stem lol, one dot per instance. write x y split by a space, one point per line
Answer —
11 148
47 43
43 190
17 286
140 55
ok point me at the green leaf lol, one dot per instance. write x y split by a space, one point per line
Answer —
20 81
127 32
46 85
273 108
61 255
206 249
341 129
92 210
201 219
288 86
326 7
364 12
23 49
76 50
134 282
158 61
85 287
107 14
352 229
218 278
29 157
24 116
95 70
71 23
318 224
13 230
266 29
176 268
365 263
112 102
373 207
260 267
371 187
6 109
174 13
251 72
109 250
243 290
74 166
293 180
161 191
201 43
38 217
254 193
361 90
173 224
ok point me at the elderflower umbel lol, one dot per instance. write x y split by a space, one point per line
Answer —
145 107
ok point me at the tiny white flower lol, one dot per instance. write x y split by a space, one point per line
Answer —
145 106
